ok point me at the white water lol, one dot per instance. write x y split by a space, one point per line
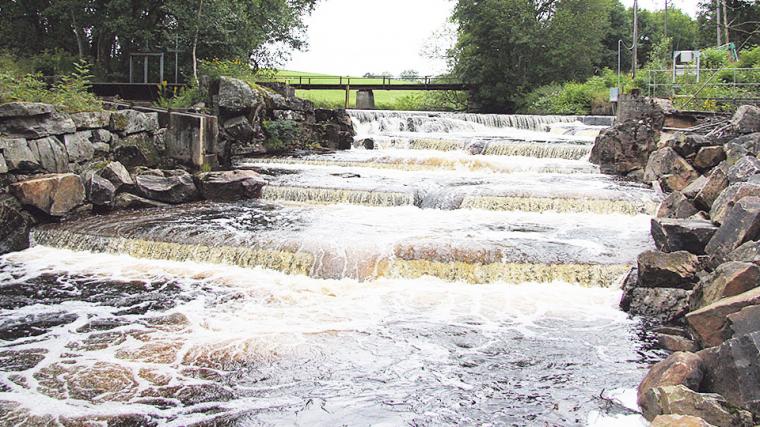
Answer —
438 280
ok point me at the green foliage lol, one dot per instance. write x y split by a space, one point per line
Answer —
178 98
573 97
281 134
749 58
714 58
71 92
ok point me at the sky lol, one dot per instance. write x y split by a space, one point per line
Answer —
354 37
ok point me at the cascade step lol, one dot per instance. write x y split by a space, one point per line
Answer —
367 243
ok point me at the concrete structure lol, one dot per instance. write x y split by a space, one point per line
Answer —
365 100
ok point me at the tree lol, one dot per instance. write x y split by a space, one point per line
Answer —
409 75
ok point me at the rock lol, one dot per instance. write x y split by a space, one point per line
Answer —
733 370
624 148
729 197
101 149
715 182
745 168
173 187
746 119
687 144
670 168
239 129
745 321
236 96
136 150
3 165
748 252
668 270
117 175
676 343
91 119
649 110
673 420
728 280
15 224
673 235
676 205
679 399
79 147
24 109
128 122
55 195
369 144
664 305
130 201
709 157
18 155
35 127
734 153
100 191
50 154
711 325
741 225
279 102
230 185
678 369
101 136
750 143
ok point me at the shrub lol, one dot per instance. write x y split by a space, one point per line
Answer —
281 134
70 94
177 98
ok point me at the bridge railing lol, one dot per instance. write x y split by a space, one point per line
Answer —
306 80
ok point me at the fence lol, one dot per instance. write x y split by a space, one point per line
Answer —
709 89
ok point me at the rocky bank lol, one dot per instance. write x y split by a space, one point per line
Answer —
701 287
54 165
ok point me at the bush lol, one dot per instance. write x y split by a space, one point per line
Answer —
238 69
178 97
70 94
713 58
281 134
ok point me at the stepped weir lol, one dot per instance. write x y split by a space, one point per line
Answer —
463 270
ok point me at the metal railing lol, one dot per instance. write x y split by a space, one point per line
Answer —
714 89
351 81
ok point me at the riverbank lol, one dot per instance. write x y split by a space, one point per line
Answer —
700 287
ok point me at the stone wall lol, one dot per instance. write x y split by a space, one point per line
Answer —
700 288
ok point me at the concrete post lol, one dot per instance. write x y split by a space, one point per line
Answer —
365 100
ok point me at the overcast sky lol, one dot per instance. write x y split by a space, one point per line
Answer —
353 37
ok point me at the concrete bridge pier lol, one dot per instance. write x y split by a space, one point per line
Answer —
365 99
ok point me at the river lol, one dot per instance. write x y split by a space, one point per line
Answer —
464 271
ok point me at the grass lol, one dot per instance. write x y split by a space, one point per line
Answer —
384 99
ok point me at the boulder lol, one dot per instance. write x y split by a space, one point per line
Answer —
117 175
748 252
369 144
733 370
741 225
101 149
3 165
79 147
18 156
668 270
50 154
729 197
679 368
742 170
230 185
711 324
24 109
15 224
624 148
709 157
728 280
236 96
734 153
746 119
663 305
679 399
100 191
674 420
35 127
744 321
280 102
672 170
91 119
688 144
676 343
173 187
751 143
676 205
239 129
55 195
645 109
708 191
131 201
101 136
673 235
128 122
136 150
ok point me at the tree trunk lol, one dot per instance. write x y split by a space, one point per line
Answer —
79 37
195 43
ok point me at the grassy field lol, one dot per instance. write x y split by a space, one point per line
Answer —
384 99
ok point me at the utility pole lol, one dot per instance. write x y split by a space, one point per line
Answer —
717 21
666 17
635 56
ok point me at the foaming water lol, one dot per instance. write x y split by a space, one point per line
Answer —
338 241
251 347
